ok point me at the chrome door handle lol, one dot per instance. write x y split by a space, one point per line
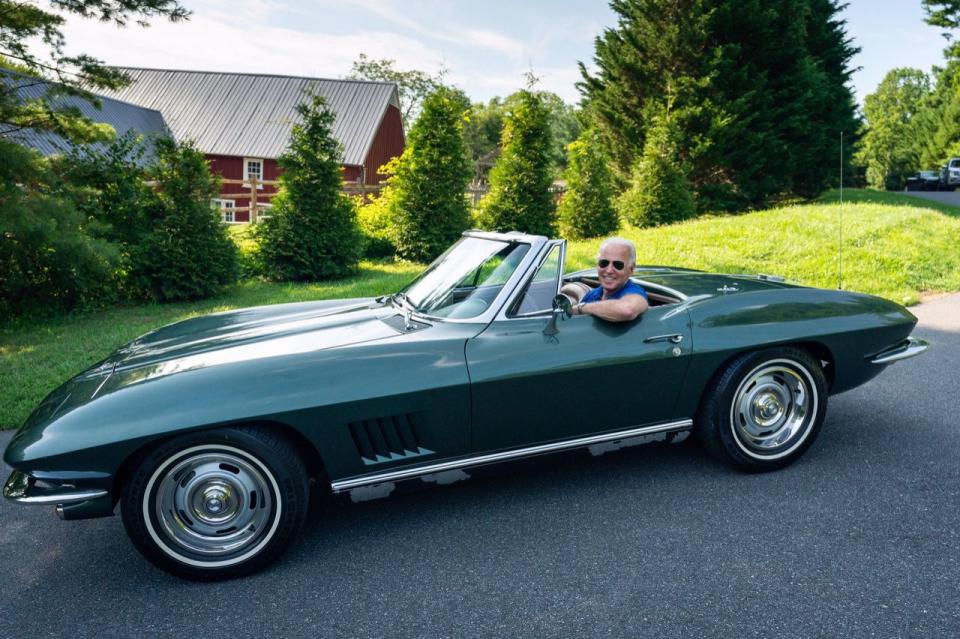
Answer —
676 338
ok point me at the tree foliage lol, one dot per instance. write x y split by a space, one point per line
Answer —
312 231
946 15
586 209
108 186
484 126
890 147
659 191
520 197
186 253
49 259
756 89
413 86
426 200
26 27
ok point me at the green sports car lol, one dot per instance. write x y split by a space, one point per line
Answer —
210 432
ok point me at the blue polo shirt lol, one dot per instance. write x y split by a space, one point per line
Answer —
630 288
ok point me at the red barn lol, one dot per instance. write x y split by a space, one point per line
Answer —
242 122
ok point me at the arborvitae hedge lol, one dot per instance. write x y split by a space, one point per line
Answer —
520 197
186 254
312 231
425 195
659 192
586 209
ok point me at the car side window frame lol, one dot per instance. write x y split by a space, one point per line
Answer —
508 312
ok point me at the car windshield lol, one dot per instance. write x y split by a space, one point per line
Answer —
464 281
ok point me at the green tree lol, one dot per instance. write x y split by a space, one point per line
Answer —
49 259
26 27
412 86
186 254
939 120
889 147
484 126
756 89
659 191
109 187
586 209
426 199
520 197
944 14
312 231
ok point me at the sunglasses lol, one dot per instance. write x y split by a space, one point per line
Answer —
617 264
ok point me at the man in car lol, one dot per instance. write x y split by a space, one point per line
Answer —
618 298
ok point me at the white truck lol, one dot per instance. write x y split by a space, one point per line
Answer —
950 175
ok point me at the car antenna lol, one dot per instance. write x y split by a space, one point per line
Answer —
840 245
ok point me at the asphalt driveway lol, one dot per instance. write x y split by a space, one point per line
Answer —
944 197
860 538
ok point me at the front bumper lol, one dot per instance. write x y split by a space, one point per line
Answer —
71 501
910 347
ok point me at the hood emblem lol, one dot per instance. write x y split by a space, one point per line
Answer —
727 289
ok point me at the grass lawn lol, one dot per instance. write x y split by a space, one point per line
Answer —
894 245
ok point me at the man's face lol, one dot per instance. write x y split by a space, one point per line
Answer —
612 279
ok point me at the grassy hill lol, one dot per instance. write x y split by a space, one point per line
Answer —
895 246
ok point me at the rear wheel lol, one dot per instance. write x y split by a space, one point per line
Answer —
765 409
216 504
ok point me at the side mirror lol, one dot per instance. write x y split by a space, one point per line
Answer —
562 309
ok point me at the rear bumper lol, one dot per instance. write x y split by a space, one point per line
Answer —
71 501
910 347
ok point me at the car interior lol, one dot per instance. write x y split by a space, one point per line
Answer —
575 288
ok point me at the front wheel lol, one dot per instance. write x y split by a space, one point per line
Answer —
216 504
764 410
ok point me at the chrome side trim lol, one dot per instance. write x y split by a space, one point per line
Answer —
20 489
347 484
912 347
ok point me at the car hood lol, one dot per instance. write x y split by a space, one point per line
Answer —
252 333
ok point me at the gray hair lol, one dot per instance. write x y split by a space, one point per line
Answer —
619 241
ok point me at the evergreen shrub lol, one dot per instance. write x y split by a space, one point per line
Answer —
659 191
49 261
312 231
586 209
186 254
520 197
426 202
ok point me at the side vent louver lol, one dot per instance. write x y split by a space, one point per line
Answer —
385 439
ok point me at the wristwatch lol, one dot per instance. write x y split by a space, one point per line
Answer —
580 306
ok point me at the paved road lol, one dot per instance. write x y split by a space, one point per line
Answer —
946 197
858 539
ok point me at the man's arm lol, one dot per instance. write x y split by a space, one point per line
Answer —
625 309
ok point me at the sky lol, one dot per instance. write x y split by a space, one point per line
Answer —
484 47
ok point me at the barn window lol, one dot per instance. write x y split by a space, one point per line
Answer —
226 210
253 170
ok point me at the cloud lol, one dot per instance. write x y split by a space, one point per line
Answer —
215 42
493 41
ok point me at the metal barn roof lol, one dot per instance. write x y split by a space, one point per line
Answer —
250 115
122 116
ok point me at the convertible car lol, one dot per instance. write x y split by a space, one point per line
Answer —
210 433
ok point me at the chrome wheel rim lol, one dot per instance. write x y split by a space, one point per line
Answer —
212 506
773 409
